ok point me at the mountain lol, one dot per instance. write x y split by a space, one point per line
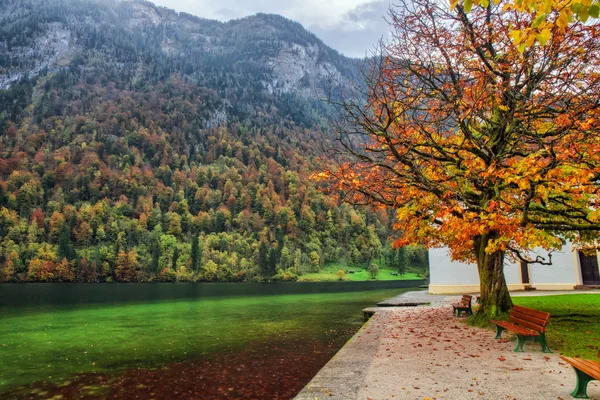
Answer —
141 144
259 61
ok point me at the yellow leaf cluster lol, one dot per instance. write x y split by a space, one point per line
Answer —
548 17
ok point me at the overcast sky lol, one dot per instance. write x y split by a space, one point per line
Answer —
352 27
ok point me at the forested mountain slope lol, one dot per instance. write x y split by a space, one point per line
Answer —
141 144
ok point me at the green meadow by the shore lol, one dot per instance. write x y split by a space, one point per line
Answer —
329 273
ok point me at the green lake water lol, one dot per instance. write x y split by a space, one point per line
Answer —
56 336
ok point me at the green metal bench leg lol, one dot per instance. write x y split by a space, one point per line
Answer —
499 331
542 340
459 310
583 379
520 342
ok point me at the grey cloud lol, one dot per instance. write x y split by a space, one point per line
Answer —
227 13
352 44
374 10
359 31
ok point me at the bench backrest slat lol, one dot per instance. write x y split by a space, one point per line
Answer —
466 299
532 312
533 320
529 318
527 324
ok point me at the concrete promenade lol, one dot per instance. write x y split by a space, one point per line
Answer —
423 352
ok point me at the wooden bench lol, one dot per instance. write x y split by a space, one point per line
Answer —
586 371
463 305
527 324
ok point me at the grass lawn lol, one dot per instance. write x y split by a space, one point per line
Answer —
574 328
329 273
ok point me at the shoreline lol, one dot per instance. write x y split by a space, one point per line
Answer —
346 372
425 352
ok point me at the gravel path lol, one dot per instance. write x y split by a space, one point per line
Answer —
426 353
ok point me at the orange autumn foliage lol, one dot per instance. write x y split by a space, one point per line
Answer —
64 271
478 146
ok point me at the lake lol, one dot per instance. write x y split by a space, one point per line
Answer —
175 341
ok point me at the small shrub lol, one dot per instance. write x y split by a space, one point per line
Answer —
286 276
184 275
374 270
315 261
167 275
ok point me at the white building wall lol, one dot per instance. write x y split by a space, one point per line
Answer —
443 271
512 273
564 271
447 276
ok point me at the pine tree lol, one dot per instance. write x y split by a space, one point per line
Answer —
273 261
220 222
154 249
175 257
97 257
263 259
155 252
3 198
65 246
401 260
196 252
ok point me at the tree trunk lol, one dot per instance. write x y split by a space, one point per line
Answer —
495 298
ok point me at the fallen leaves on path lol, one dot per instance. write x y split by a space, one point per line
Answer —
433 345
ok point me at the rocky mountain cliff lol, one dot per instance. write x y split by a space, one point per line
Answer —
258 61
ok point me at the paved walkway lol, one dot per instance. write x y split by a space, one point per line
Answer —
425 353
422 297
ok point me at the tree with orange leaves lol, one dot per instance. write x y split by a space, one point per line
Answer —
478 146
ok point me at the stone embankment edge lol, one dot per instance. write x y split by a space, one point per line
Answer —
344 374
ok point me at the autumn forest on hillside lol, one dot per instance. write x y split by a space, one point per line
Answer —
129 161
102 183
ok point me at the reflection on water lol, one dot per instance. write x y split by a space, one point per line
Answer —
154 340
42 294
